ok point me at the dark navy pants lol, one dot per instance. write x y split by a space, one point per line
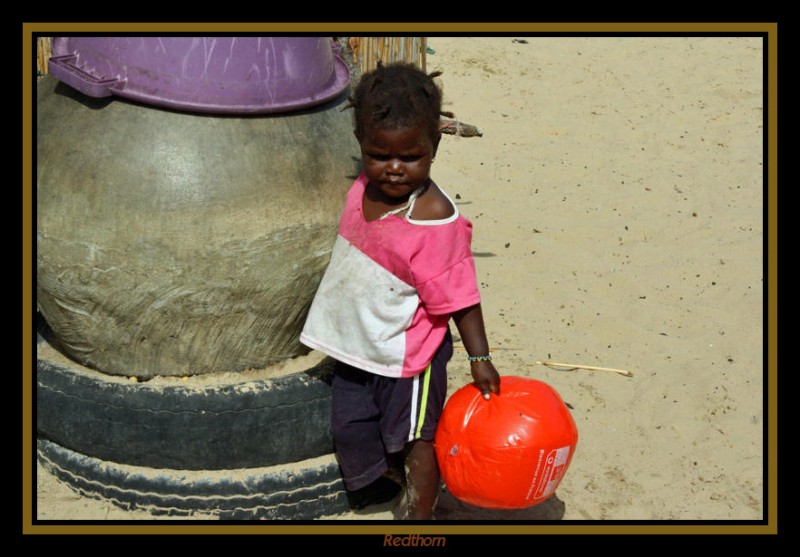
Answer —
374 416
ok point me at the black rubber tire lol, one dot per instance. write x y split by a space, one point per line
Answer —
240 425
303 491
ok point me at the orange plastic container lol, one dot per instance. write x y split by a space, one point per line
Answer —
508 452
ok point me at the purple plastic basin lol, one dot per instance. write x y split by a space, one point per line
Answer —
204 74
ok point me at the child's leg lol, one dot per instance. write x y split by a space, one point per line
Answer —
355 425
422 475
411 414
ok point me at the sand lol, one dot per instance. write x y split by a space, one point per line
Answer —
617 201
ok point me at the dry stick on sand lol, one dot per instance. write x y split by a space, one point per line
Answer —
571 367
460 347
454 127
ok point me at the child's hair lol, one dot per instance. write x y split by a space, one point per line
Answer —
397 96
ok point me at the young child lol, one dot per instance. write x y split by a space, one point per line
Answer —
401 267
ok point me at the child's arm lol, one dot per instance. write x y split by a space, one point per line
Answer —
473 334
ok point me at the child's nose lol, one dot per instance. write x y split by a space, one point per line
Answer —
395 165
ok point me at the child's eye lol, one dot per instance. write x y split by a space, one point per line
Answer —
378 157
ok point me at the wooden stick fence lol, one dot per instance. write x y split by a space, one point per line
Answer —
367 51
44 50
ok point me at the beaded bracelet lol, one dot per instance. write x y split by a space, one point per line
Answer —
480 358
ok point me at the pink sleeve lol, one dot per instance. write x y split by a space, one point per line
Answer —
452 290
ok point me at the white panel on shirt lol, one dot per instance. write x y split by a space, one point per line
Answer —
361 312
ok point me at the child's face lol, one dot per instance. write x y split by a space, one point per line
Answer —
398 161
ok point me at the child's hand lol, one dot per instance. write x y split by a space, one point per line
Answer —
470 324
486 377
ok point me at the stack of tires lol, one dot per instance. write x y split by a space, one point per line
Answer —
258 449
177 244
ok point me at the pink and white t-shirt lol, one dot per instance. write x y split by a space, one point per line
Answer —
391 285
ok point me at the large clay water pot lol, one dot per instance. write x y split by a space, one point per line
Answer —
173 243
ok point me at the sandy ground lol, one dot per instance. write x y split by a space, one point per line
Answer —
616 196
